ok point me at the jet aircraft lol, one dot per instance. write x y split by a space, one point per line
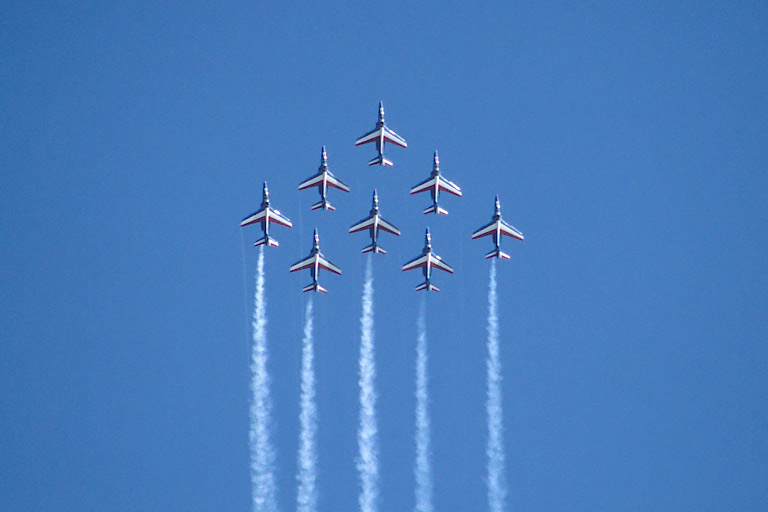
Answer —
374 223
434 184
322 180
427 260
380 135
497 228
315 262
264 215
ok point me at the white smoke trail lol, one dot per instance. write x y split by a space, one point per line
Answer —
423 467
497 490
307 474
262 452
368 458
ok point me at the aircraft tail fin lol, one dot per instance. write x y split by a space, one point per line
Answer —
381 160
325 205
426 285
375 249
314 287
436 209
497 253
266 240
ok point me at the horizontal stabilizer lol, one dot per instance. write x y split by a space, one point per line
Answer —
496 253
266 240
314 287
381 160
325 205
436 209
427 286
377 248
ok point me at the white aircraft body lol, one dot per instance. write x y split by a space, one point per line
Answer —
434 184
264 216
496 229
323 180
380 135
315 262
374 223
427 260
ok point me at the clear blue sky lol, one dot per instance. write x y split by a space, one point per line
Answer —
627 142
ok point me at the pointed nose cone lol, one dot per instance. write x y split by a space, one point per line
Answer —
316 240
375 203
265 192
435 164
323 158
427 241
498 206
381 112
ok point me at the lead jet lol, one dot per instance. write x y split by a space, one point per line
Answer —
322 180
264 216
314 262
380 135
497 228
434 184
427 260
374 223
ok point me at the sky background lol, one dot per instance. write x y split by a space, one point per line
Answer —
628 143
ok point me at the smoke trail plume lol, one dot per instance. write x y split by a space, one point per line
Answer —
307 473
423 467
497 490
368 458
262 452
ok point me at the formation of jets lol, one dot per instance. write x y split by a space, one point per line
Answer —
374 223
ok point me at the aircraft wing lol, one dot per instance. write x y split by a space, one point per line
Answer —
305 263
336 183
389 228
314 181
327 265
437 262
254 218
448 186
278 218
423 186
371 136
394 138
366 223
508 230
418 262
486 230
